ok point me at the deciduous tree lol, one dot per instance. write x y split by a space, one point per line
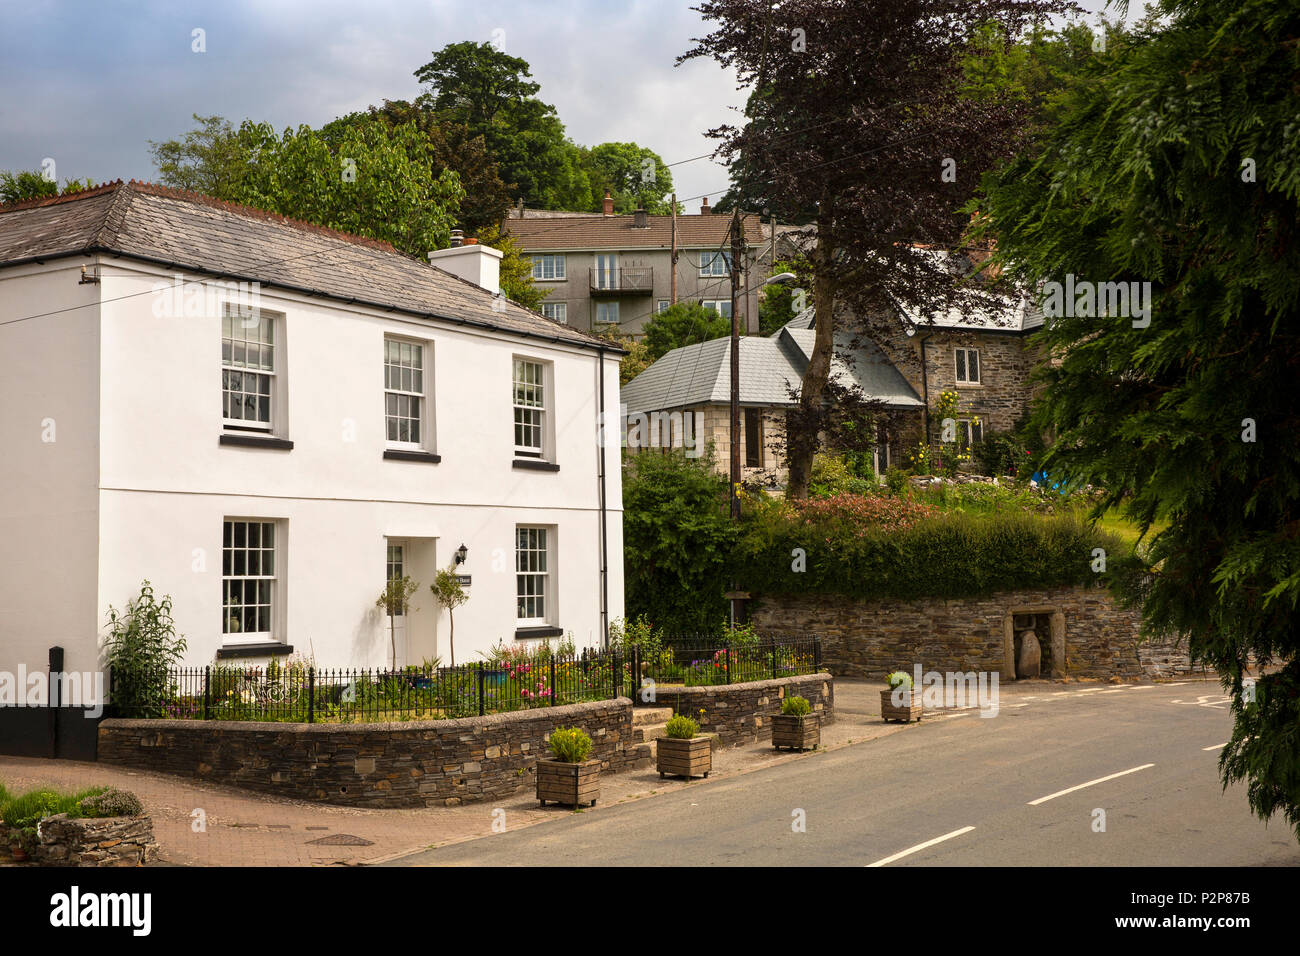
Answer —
855 123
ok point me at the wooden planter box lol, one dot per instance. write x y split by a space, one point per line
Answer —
797 733
568 783
684 758
904 713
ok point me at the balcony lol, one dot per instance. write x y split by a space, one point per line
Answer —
609 282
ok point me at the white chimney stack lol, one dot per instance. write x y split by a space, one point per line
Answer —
478 263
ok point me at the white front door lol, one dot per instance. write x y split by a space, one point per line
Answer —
396 568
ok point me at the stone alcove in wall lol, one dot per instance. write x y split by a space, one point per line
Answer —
1049 626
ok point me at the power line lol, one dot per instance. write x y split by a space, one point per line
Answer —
559 227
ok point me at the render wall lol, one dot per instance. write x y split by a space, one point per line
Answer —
49 460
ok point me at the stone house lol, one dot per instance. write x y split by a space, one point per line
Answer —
982 354
683 399
906 363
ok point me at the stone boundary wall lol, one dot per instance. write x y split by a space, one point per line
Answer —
739 713
403 764
84 841
1091 635
96 841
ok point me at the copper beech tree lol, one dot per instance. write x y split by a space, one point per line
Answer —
856 127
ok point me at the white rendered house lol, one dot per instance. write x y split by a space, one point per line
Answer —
266 419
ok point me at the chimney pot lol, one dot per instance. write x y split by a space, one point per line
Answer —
457 236
704 207
609 204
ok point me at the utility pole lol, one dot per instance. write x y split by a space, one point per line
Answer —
772 263
737 251
672 295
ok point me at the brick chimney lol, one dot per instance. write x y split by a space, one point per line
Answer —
609 204
640 219
704 207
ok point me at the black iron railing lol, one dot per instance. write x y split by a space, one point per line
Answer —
301 692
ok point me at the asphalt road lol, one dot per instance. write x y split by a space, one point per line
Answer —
883 802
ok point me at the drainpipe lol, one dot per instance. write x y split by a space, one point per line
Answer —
604 522
925 392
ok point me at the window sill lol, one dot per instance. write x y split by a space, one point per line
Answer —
534 464
523 633
254 650
255 441
397 454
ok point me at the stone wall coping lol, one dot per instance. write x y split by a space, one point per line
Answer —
89 821
668 690
560 715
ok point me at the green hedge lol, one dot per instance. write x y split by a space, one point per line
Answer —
951 555
677 542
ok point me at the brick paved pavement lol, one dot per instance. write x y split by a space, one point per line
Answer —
249 829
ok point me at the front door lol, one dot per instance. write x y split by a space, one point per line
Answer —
396 623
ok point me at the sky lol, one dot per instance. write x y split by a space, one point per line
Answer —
88 84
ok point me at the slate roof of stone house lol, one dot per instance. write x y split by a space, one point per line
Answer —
855 363
540 232
1003 314
193 232
1015 317
700 374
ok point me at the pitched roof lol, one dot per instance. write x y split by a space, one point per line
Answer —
581 232
984 313
1014 316
190 231
700 374
859 364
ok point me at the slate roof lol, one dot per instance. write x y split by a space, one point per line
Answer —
700 374
1015 315
579 233
190 231
862 364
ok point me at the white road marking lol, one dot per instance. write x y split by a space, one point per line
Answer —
1118 690
920 846
1090 783
1217 746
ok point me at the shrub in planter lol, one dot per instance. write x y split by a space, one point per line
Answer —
796 727
570 777
683 752
111 803
897 700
